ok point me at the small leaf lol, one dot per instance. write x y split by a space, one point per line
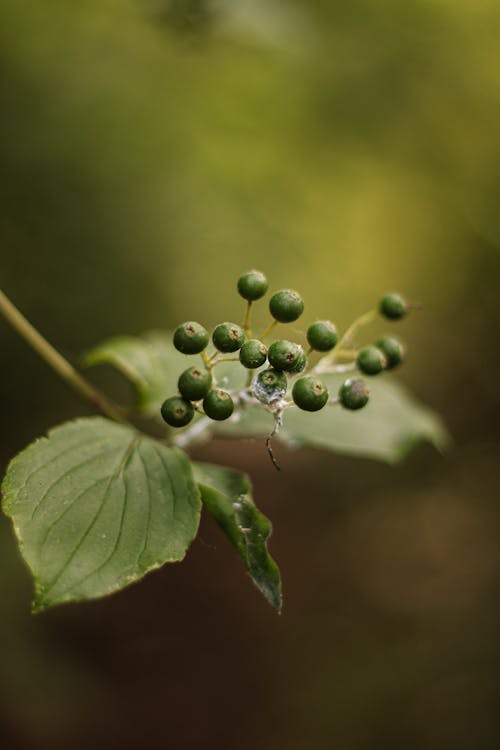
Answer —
227 496
390 425
95 506
153 365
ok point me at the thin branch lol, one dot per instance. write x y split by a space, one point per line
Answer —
56 361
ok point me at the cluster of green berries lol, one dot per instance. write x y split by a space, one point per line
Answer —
196 385
388 352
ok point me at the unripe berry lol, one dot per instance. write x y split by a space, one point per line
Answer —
253 354
190 338
322 336
176 411
228 337
309 393
286 306
252 285
270 385
393 306
194 383
284 355
218 404
301 363
393 350
354 394
371 360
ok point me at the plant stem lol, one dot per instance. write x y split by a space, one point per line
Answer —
225 359
268 330
345 340
56 361
246 323
346 353
207 361
361 321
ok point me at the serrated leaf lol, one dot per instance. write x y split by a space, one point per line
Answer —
390 425
95 506
227 496
153 365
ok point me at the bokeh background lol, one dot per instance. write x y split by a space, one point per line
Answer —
152 150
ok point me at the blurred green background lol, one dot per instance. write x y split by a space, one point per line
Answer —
150 151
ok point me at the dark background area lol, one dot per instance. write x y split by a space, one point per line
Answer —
149 153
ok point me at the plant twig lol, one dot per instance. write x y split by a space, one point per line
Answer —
268 330
346 340
56 361
246 322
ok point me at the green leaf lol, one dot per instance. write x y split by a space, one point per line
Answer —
95 506
153 365
390 425
227 496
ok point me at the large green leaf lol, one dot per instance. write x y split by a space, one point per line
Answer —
227 496
96 505
153 365
390 425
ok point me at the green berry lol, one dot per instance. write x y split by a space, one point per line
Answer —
322 336
284 355
228 337
286 306
176 411
218 404
252 285
354 394
393 306
301 363
190 338
253 354
270 385
309 393
371 360
194 383
393 350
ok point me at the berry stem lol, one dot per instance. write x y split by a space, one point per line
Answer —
223 359
246 322
207 361
268 330
346 353
346 339
57 362
327 368
363 320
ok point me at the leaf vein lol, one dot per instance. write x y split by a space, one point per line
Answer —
116 473
32 473
172 492
148 521
70 507
63 476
